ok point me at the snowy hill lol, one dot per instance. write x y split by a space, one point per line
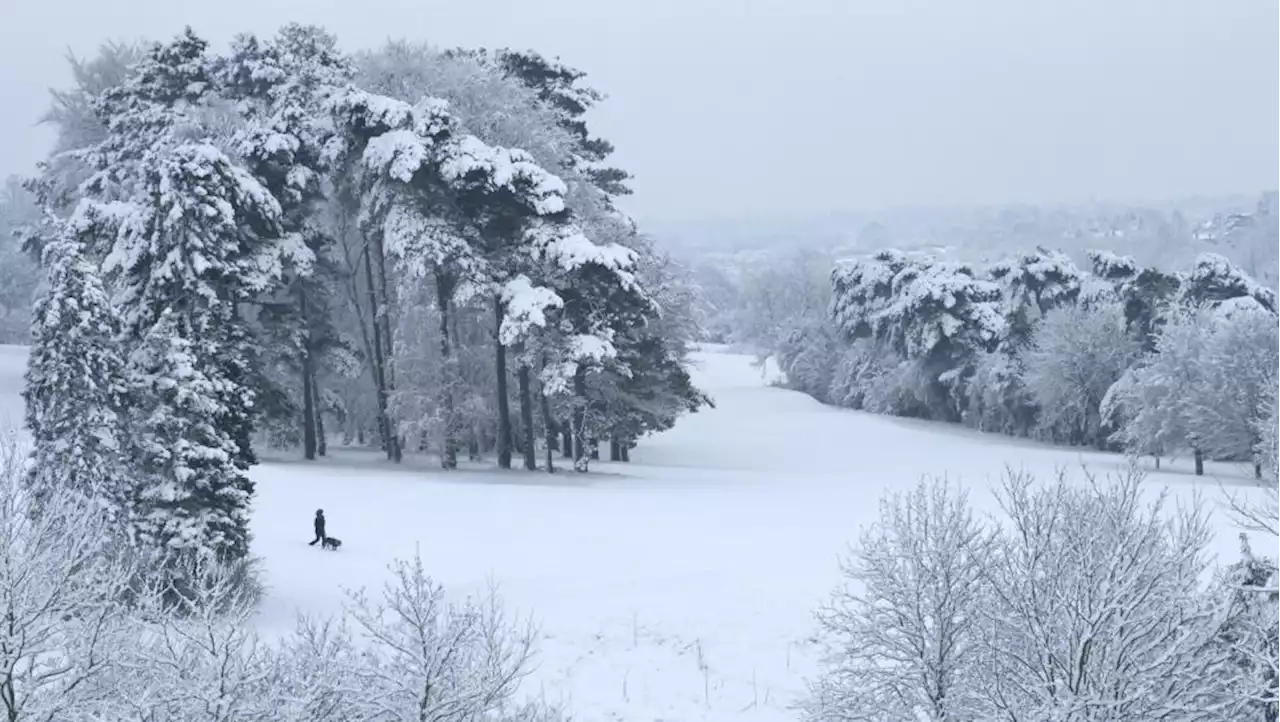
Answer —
676 587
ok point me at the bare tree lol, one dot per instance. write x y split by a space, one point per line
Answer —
900 633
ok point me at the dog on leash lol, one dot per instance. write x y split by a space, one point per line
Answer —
330 543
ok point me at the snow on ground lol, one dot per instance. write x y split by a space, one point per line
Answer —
677 587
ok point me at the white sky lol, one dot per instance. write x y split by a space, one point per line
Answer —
755 108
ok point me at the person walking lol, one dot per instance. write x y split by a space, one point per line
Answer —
319 525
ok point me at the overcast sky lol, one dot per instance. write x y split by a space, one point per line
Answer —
732 108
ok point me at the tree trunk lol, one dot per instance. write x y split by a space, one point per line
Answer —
549 428
322 444
473 444
308 383
1199 456
566 445
526 419
626 452
615 450
444 298
308 401
389 442
504 404
581 454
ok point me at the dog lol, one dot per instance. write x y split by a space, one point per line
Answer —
330 543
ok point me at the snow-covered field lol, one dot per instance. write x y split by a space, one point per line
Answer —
677 587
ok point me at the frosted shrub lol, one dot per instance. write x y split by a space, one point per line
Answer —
1250 632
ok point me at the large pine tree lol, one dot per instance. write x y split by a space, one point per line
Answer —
280 87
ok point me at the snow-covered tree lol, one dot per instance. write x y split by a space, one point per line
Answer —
18 273
78 125
1144 292
1096 610
782 295
62 583
1214 280
998 397
196 655
1227 410
430 658
900 635
558 86
1148 404
1077 353
1249 629
281 87
190 494
937 313
810 355
75 379
1032 285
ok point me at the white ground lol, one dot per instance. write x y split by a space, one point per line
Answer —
677 587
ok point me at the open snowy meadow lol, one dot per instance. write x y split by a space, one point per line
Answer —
680 586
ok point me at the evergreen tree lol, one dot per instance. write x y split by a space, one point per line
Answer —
75 380
1144 292
936 314
199 243
1251 632
191 495
1214 280
557 85
430 195
281 87
1032 285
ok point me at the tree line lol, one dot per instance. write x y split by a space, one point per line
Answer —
1118 356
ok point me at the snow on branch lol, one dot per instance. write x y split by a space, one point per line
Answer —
526 306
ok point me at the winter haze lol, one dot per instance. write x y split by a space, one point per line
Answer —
783 108
670 361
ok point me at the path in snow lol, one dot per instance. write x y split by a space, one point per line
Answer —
677 587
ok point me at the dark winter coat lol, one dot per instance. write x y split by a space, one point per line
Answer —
320 525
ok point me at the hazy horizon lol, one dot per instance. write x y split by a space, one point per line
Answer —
812 107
